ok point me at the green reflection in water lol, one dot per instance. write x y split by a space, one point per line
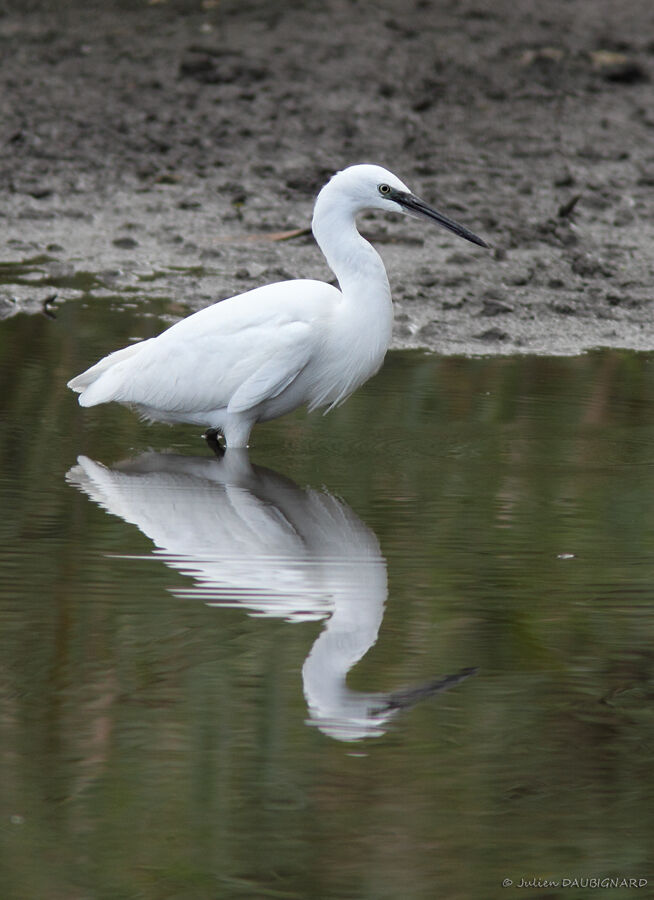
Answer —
23 273
154 747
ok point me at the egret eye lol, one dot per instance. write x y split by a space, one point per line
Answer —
384 188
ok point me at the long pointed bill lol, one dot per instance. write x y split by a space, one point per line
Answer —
408 697
414 205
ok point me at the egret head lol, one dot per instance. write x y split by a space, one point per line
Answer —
373 187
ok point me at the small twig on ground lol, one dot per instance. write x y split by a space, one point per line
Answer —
566 209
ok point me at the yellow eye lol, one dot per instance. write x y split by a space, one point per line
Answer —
384 188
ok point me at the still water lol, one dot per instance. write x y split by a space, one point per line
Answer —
401 651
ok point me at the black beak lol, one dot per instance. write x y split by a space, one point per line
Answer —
408 697
417 207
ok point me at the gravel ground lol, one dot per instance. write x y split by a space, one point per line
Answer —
163 147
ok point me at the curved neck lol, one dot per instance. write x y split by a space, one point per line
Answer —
356 264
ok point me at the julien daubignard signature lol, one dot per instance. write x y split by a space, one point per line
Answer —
614 881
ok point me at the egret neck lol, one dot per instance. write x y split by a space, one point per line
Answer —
355 262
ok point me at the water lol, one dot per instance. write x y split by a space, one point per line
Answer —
176 633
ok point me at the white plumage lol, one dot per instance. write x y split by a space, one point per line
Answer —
252 539
263 353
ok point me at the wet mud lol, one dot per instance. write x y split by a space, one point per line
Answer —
165 149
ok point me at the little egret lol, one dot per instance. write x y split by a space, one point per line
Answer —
263 353
252 539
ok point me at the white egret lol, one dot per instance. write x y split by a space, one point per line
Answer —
251 539
263 353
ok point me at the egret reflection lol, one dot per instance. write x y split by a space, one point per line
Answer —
251 538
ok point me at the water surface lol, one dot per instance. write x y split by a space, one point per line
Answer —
403 650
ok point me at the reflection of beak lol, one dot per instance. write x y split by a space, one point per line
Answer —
404 699
417 207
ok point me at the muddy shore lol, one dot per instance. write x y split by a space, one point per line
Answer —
162 148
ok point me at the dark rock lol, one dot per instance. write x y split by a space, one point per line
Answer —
492 334
618 68
492 307
430 329
588 266
208 69
452 305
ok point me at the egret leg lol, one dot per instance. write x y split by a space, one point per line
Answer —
237 428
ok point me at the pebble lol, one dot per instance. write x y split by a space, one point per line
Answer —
125 243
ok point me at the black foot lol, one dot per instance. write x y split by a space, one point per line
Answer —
212 437
48 306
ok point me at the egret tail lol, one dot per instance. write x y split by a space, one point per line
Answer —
94 385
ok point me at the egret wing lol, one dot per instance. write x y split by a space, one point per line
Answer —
278 372
243 349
